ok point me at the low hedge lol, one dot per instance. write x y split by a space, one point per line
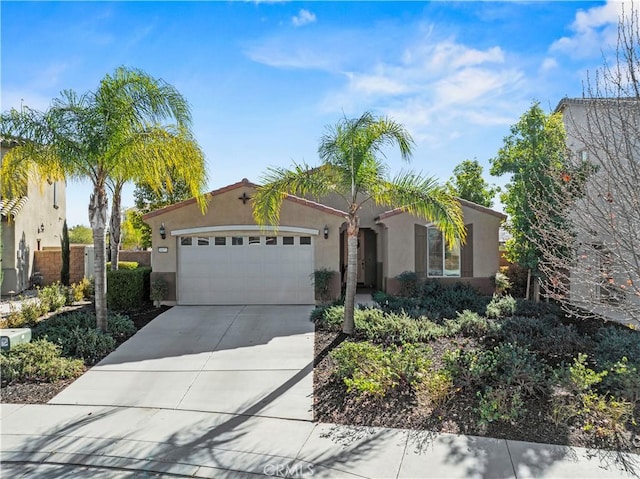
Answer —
124 265
128 288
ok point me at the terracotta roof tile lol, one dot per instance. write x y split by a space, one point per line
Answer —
239 184
468 204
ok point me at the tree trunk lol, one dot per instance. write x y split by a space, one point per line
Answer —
536 289
97 219
352 276
526 294
115 229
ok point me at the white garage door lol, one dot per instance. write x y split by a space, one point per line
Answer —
244 269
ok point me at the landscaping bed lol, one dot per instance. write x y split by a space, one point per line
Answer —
502 369
65 342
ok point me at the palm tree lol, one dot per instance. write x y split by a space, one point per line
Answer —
351 168
173 153
113 135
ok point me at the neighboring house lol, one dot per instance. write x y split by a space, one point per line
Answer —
30 222
606 274
223 257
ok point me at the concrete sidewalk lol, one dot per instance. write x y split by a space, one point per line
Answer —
116 442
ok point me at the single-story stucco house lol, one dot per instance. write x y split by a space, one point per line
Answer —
223 257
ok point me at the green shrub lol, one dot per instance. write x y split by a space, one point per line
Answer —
159 290
434 301
583 378
505 365
83 289
623 379
436 388
395 328
328 317
91 345
469 323
409 362
53 296
501 306
500 404
409 284
120 327
376 326
614 343
518 278
459 297
501 282
545 335
128 288
14 319
363 368
540 309
397 304
317 315
367 369
32 311
38 361
76 334
321 281
124 265
605 416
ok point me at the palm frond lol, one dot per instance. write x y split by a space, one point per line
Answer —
277 183
425 198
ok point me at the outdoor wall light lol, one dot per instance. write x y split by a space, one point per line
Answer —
41 228
326 232
163 232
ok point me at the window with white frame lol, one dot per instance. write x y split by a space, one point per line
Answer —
442 261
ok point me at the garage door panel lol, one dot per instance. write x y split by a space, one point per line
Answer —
247 274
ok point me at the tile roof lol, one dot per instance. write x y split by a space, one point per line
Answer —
12 207
468 204
243 183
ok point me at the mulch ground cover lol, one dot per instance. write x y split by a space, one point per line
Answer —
41 393
402 409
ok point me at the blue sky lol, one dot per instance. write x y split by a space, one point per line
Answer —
265 78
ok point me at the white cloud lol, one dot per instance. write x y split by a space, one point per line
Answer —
375 84
454 55
300 56
12 98
594 29
548 64
437 86
433 88
303 17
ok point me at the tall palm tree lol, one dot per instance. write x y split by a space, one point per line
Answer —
352 168
110 136
172 153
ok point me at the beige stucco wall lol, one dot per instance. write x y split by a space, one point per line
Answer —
25 231
395 234
225 208
401 242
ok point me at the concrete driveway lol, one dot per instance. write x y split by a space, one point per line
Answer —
250 360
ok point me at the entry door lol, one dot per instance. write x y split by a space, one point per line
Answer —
361 257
